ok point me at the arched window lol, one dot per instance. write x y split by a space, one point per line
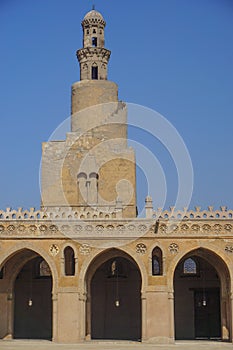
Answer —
82 188
44 270
82 176
94 73
93 190
189 267
157 262
69 261
94 41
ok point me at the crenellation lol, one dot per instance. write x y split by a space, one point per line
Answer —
210 213
68 212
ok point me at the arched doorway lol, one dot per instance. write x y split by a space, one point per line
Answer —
29 304
114 293
201 297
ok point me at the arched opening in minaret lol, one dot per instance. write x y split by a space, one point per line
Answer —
94 72
26 301
114 294
94 41
201 284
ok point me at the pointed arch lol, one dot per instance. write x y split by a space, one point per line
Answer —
24 287
24 246
190 266
202 283
69 261
88 269
82 188
94 71
108 253
115 274
157 262
211 251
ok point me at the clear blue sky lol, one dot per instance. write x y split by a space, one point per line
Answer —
174 56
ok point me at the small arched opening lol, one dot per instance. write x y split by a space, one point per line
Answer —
157 262
94 72
69 259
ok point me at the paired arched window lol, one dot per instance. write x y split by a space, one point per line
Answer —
69 260
157 262
88 187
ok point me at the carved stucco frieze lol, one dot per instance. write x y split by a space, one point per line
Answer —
32 228
43 228
21 228
120 228
163 228
184 227
228 227
131 227
10 228
195 228
50 228
142 228
78 228
217 227
53 228
206 228
89 228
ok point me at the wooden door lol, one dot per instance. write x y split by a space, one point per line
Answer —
207 314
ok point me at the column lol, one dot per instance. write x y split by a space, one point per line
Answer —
54 300
144 316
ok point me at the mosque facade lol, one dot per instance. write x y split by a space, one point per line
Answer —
84 266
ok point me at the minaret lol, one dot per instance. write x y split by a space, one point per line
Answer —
93 170
93 57
93 87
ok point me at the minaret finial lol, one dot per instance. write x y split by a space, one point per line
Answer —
93 7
